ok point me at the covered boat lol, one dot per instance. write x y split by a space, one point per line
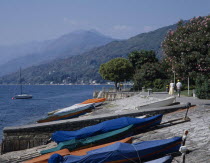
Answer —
123 152
44 158
69 112
140 124
166 159
74 144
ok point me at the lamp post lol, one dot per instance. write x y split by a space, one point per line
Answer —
174 77
188 85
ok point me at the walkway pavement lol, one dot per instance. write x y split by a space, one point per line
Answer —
183 99
198 141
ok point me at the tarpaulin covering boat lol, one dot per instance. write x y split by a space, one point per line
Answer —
67 113
123 152
44 158
166 159
106 126
74 144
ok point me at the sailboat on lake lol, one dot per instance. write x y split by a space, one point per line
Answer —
21 95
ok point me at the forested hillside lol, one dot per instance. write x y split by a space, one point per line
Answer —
84 67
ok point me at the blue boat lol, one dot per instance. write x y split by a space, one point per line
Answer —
75 144
166 159
139 125
123 152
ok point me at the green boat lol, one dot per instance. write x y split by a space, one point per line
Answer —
74 144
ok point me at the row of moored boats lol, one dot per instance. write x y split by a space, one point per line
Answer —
109 141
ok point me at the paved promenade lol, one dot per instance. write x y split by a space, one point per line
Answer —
198 141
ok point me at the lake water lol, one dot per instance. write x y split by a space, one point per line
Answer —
45 98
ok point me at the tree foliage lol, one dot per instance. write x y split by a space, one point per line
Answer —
187 48
202 87
149 76
148 70
117 70
139 58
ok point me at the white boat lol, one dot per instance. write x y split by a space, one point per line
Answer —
21 95
160 103
71 109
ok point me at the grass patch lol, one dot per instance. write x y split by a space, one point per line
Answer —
185 93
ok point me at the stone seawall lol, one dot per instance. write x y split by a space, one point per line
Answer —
28 136
111 96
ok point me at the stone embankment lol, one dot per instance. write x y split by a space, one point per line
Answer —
112 95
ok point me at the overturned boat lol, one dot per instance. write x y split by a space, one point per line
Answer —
160 103
69 112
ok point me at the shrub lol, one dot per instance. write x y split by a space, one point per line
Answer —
203 87
158 83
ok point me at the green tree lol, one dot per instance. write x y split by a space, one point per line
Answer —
202 87
187 49
117 70
148 71
138 58
149 76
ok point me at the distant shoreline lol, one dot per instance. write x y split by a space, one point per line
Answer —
58 84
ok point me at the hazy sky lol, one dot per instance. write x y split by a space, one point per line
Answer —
28 20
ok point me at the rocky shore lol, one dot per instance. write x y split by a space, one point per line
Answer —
198 141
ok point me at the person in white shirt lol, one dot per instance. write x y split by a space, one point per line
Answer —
171 89
178 86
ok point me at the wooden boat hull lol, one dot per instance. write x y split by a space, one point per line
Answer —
64 152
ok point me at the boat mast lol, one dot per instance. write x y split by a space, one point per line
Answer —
20 83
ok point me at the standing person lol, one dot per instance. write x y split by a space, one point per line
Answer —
167 88
171 89
178 86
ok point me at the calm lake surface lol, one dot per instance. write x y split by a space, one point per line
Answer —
45 98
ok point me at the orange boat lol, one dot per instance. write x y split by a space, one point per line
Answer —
96 101
64 152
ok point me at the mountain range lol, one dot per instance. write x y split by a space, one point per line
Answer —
83 68
35 53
